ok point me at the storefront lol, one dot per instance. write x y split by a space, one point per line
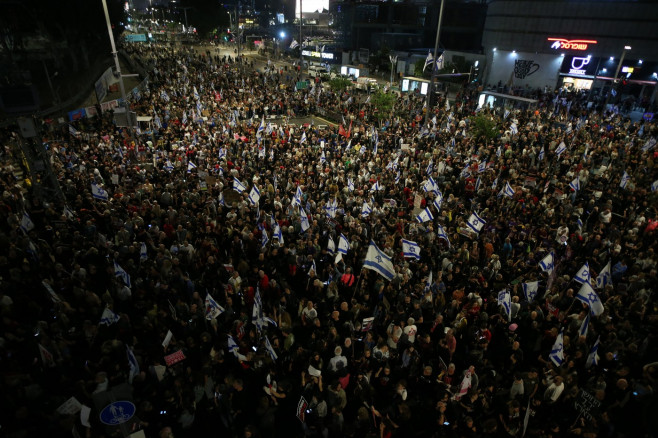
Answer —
578 72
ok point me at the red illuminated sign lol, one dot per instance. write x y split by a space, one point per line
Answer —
564 44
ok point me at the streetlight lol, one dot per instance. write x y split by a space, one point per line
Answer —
436 49
613 90
394 63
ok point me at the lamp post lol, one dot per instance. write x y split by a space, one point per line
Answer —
436 49
394 63
301 58
613 87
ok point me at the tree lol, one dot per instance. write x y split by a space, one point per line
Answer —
419 69
339 84
484 127
383 103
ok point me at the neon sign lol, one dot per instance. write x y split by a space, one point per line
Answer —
564 44
578 65
315 54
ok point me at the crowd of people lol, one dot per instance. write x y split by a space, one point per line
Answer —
235 274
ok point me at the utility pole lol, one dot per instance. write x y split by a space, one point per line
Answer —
237 33
613 87
436 49
301 45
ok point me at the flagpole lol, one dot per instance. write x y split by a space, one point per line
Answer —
436 48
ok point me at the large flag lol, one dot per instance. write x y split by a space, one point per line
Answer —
303 139
350 184
379 262
605 276
508 191
587 295
438 201
530 290
297 199
583 275
108 317
365 210
625 178
98 193
424 216
441 234
26 223
376 187
557 352
123 275
233 348
548 263
593 357
560 149
254 195
134 365
582 331
410 249
270 350
431 186
343 244
213 310
475 222
331 246
264 239
294 44
190 166
238 186
505 300
304 219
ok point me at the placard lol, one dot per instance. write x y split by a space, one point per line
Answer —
174 358
587 404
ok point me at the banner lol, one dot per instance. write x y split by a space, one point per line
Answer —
174 358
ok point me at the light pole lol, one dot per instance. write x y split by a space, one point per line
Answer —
436 49
394 63
301 45
613 87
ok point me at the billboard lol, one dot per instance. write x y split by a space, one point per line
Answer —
311 5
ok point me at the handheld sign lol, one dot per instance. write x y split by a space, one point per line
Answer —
587 404
117 413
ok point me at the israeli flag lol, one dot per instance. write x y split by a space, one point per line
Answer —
264 239
478 183
303 139
220 199
587 295
257 311
120 273
222 154
164 96
499 151
424 216
98 193
331 246
593 357
304 219
143 253
575 184
261 127
579 222
168 166
514 129
624 180
297 199
557 352
343 244
649 144
323 159
583 275
397 178
375 187
350 184
233 348
429 169
254 195
475 222
69 213
548 263
196 94
184 120
438 201
313 268
561 148
482 166
541 154
108 317
294 44
582 331
441 234
506 114
213 310
378 261
494 184
654 186
431 186
270 351
238 186
26 223
605 276
332 208
365 210
530 290
410 249
505 300
278 234
508 191
190 166
134 365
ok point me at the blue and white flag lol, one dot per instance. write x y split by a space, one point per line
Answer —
428 282
410 249
478 184
430 186
583 275
505 300
222 154
233 348
593 357
68 213
548 263
350 184
332 208
331 246
499 151
605 276
494 184
261 127
184 120
649 144
313 268
378 261
530 290
123 275
108 317
575 184
213 310
143 252
168 166
430 168
323 159
26 223
196 94
278 234
238 186
72 130
508 191
557 352
303 139
220 199
190 166
257 311
134 365
475 222
343 244
561 148
264 239
541 154
294 44
254 195
506 114
438 201
514 129
654 186
304 219
397 178
441 234
375 187
270 350
424 216
297 199
98 193
625 178
582 331
587 295
482 166
365 210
